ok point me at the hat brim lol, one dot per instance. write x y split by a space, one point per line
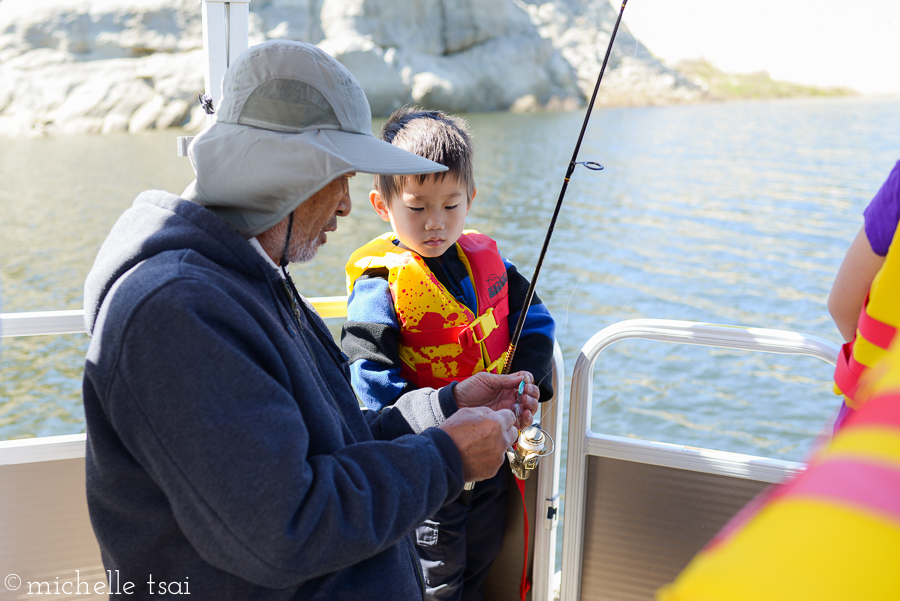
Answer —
254 177
368 154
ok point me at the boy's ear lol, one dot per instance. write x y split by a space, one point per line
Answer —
471 200
379 205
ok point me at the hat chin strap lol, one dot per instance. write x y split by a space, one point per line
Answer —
287 240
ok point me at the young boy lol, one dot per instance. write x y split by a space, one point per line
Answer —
432 304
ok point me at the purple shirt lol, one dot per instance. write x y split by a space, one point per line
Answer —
883 213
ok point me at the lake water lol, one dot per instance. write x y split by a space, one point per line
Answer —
734 213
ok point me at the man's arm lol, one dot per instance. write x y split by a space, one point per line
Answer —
426 408
252 450
412 413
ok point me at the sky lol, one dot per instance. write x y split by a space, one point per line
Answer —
847 43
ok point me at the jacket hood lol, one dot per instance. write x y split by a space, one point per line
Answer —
156 223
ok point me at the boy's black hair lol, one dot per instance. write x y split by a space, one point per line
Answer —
434 135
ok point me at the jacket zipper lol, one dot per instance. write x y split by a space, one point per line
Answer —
295 311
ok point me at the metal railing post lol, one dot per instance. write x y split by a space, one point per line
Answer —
226 33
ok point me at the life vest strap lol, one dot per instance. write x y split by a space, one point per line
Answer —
497 366
464 335
478 330
847 372
430 337
423 377
877 332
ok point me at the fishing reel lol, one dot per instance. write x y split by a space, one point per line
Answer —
524 454
527 451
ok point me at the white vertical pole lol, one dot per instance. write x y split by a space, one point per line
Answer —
576 468
215 44
226 33
544 562
238 28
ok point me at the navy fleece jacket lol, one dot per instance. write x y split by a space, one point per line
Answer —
226 449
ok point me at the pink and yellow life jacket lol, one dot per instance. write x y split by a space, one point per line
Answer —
442 340
829 534
876 328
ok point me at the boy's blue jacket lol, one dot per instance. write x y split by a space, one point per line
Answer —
226 449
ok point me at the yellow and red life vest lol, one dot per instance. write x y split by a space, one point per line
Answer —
876 328
442 340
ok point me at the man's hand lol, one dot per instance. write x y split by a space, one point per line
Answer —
500 392
482 437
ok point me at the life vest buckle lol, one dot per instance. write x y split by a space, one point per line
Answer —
477 331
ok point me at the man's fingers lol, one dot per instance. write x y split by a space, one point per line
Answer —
525 420
481 435
528 402
512 433
508 417
513 380
508 421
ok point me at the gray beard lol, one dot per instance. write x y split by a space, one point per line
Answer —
299 250
303 252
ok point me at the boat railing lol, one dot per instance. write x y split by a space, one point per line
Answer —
39 323
636 511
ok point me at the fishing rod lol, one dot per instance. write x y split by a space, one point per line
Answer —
514 340
525 461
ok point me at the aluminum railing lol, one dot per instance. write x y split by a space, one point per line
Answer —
39 323
583 443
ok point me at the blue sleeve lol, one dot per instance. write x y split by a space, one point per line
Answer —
370 339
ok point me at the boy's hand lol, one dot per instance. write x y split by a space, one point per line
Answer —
500 392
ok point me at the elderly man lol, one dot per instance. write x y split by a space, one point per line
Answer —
227 455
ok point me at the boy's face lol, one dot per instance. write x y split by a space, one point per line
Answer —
428 218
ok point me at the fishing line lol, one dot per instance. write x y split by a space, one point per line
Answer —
551 404
514 339
628 303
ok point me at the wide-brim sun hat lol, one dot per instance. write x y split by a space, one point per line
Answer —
291 119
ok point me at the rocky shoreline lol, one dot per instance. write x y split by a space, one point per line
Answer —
109 66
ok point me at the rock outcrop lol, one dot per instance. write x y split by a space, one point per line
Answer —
127 65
